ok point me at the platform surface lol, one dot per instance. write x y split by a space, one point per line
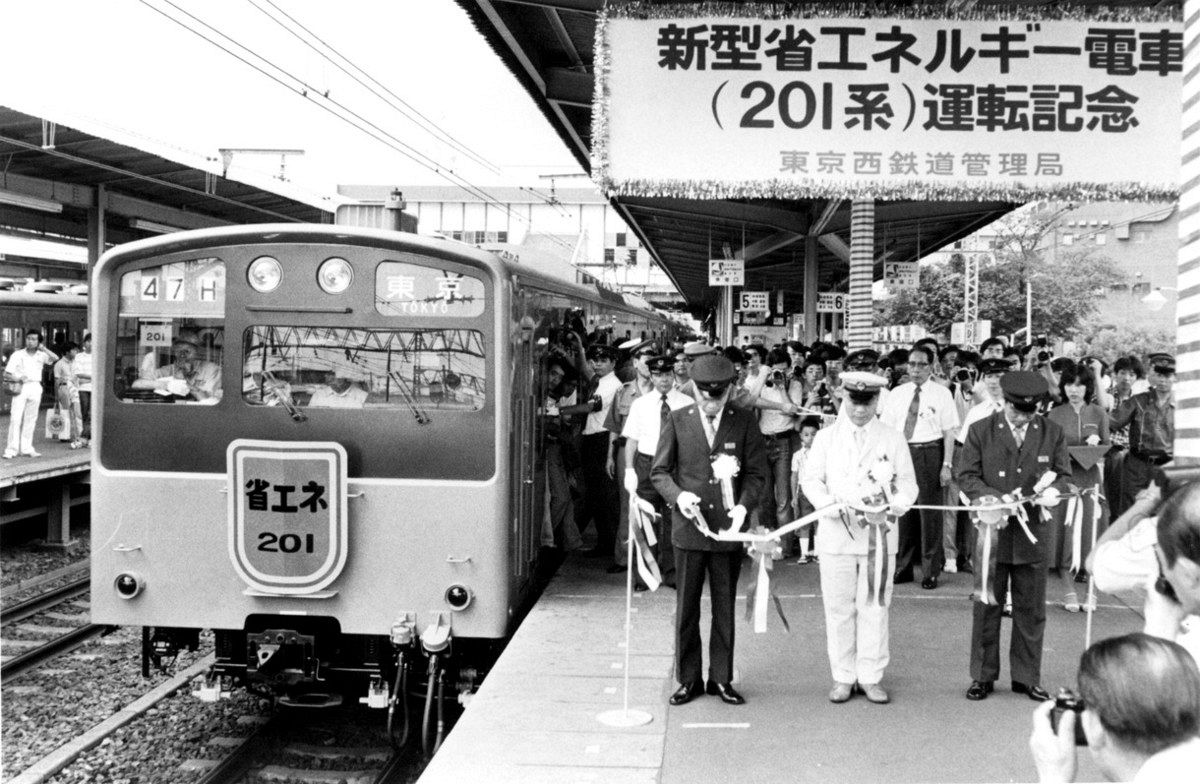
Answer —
57 457
534 718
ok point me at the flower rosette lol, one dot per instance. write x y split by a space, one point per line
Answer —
873 515
765 551
724 468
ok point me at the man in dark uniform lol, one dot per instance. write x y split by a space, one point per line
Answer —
1008 451
1150 416
692 439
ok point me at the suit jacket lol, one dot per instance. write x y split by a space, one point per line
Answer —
836 470
991 464
683 461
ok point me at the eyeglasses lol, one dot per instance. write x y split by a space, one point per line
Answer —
912 364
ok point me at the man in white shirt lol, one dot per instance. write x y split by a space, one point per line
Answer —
778 401
641 430
756 371
925 413
600 487
1140 714
25 367
338 392
201 379
83 372
841 468
641 353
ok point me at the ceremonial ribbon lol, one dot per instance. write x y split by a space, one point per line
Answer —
987 523
641 528
1074 521
765 552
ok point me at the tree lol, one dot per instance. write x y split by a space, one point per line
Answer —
1111 342
1064 283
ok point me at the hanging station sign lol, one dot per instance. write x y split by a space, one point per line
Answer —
759 104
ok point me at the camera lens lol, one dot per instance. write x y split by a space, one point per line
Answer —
962 376
1043 356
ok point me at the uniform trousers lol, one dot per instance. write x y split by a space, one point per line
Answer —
1136 474
777 497
561 510
1029 625
662 527
600 489
957 532
620 546
856 630
722 569
921 529
23 411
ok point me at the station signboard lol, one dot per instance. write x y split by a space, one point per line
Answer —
969 334
832 302
758 301
726 272
900 275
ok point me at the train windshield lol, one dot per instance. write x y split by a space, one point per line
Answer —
170 333
426 371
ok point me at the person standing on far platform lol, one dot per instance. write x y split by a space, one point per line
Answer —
710 468
1007 453
925 413
841 469
1150 417
24 367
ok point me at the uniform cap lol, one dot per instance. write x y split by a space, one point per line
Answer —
664 364
192 338
862 387
1162 363
1024 389
864 358
634 345
992 366
711 371
601 351
698 348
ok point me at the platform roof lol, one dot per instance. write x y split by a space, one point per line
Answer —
146 183
548 46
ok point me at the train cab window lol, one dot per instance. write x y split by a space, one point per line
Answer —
170 333
425 371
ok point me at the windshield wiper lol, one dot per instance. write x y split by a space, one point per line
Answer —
274 389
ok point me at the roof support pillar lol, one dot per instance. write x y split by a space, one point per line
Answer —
96 216
862 262
810 288
1187 310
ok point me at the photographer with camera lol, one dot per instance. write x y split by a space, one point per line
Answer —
778 403
1150 417
1139 707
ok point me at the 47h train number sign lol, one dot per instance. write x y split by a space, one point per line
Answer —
287 514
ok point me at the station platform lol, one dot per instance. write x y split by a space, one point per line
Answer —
50 485
534 718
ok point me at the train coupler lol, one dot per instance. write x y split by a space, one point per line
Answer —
377 693
282 656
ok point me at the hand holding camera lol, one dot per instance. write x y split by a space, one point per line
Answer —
595 403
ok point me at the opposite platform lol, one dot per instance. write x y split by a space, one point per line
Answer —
534 718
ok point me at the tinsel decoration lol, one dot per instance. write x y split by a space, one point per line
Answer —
643 9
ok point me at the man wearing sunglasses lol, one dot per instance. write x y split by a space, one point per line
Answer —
695 440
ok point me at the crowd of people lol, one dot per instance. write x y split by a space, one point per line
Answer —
71 376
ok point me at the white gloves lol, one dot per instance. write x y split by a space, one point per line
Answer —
687 501
738 515
1049 498
631 481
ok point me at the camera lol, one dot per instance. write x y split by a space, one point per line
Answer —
1069 700
964 376
595 403
777 377
1044 356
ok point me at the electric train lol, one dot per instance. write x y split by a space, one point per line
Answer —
321 443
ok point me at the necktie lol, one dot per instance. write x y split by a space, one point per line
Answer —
665 410
910 424
1019 435
709 430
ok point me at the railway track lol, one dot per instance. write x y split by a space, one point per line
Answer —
46 649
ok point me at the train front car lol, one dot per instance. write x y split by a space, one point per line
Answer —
297 448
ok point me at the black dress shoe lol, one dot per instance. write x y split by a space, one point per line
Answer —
1034 692
726 692
686 693
979 690
929 583
902 577
639 587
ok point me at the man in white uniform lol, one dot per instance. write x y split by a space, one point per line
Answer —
839 469
25 367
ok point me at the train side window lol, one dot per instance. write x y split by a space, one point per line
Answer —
170 333
424 370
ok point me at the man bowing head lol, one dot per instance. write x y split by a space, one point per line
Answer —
710 467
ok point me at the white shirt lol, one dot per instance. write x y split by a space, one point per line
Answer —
1175 764
324 397
936 414
644 422
83 367
755 381
981 411
771 421
606 388
27 367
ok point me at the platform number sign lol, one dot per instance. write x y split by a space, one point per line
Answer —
832 302
287 514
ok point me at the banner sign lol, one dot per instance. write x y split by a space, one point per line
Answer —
759 301
999 108
726 272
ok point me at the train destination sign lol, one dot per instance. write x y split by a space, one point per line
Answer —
287 514
405 289
886 107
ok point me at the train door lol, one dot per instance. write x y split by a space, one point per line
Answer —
526 523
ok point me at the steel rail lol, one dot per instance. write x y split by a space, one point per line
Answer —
238 763
43 601
72 639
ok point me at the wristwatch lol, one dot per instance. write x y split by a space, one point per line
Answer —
946 465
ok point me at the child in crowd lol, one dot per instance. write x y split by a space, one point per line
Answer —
800 505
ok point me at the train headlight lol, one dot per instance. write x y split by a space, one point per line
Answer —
459 597
265 274
335 275
129 584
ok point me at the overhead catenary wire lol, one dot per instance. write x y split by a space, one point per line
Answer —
345 114
391 98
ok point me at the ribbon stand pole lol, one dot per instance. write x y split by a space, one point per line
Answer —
1090 607
625 717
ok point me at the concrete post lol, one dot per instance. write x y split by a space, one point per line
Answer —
1187 311
810 289
862 262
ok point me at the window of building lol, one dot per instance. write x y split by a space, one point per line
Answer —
1101 237
610 256
620 239
170 333
1068 239
1142 287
